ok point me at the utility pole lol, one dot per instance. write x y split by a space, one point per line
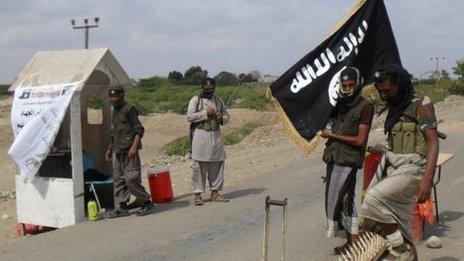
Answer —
438 73
437 61
86 28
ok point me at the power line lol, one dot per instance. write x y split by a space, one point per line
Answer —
86 26
438 73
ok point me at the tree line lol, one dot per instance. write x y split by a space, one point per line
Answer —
195 74
454 86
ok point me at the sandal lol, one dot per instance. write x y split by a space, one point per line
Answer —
197 200
216 197
145 209
120 212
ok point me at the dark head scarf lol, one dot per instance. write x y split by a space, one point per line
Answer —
402 79
118 89
207 81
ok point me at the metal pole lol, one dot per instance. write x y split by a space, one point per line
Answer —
283 204
266 230
436 72
86 37
284 231
86 27
437 68
438 75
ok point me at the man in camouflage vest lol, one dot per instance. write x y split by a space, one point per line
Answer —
405 174
344 155
207 113
126 135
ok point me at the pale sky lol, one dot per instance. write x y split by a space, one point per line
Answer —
151 37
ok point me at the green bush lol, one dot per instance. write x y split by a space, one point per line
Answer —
95 101
158 94
457 87
180 146
150 84
4 89
237 135
436 91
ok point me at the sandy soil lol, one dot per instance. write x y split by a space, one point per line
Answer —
265 149
161 129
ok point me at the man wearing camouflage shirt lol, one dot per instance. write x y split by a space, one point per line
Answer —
126 135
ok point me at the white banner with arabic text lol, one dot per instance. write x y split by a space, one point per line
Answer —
36 117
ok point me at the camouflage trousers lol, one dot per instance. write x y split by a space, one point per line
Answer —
127 179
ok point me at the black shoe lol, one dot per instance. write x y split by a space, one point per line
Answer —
120 212
145 209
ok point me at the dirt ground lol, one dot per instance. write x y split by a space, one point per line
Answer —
265 149
259 152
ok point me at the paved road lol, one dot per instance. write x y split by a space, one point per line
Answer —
233 231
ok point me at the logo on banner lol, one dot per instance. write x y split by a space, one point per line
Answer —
25 95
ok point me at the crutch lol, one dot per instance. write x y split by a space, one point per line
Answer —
283 204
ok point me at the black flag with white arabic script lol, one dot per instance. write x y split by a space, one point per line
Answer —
307 92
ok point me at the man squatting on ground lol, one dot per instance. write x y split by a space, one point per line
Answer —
206 113
344 154
408 164
126 135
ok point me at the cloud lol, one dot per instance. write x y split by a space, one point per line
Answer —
155 37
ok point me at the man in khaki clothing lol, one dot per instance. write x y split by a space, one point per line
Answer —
206 113
126 135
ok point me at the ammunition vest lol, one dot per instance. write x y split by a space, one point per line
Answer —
209 124
123 131
406 135
346 124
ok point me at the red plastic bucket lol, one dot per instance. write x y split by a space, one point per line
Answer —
371 162
159 181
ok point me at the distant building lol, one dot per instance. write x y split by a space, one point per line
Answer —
267 78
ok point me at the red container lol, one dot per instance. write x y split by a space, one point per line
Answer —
159 181
371 163
22 229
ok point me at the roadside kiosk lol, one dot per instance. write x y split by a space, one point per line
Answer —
55 196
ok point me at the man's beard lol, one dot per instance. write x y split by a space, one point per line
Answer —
207 94
117 104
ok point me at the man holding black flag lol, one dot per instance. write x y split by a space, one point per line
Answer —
308 96
344 155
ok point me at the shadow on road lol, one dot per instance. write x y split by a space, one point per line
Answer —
170 206
244 192
187 195
451 215
445 258
441 228
180 203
